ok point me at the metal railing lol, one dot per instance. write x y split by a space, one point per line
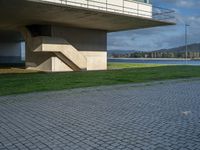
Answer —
156 13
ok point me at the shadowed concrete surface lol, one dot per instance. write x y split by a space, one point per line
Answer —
155 116
31 12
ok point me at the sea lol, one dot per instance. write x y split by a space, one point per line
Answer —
156 61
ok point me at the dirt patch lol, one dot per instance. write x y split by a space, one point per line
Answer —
10 70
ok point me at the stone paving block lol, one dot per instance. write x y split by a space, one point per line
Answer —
155 117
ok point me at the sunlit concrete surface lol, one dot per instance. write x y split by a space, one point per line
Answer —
152 116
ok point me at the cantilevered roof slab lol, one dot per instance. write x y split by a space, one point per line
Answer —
16 13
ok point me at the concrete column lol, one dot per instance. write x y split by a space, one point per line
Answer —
34 60
91 44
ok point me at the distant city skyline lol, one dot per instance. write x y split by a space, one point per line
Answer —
187 11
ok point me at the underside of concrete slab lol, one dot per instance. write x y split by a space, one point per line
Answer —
22 13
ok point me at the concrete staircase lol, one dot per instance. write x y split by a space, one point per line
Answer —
62 50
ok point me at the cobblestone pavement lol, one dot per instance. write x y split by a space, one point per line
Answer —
156 116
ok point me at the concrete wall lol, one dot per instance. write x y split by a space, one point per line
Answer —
139 9
91 44
37 60
130 7
82 39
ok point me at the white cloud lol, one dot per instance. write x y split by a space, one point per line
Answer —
161 37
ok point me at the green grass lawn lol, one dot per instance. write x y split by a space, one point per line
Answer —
112 66
133 73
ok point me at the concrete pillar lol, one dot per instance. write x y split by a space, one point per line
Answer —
90 43
55 55
33 60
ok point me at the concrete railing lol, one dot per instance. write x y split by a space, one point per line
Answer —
128 7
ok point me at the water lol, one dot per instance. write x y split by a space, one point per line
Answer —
156 61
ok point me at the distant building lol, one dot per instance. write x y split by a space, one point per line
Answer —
70 35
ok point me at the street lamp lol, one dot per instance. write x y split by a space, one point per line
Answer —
186 42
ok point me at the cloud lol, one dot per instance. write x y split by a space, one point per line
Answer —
161 37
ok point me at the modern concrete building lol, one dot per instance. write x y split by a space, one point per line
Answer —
71 35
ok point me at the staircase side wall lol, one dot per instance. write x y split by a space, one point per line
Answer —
91 43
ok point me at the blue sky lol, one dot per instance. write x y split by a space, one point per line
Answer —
187 11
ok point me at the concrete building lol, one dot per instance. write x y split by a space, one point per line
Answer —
71 35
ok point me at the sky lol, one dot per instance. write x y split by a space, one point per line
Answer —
187 12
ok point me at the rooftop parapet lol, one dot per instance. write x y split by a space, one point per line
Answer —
141 8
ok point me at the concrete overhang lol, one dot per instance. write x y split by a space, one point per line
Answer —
17 13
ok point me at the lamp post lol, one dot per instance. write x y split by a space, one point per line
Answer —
186 42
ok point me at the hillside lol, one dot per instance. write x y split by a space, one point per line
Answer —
121 51
178 52
191 48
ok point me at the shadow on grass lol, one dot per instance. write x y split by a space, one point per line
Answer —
34 82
